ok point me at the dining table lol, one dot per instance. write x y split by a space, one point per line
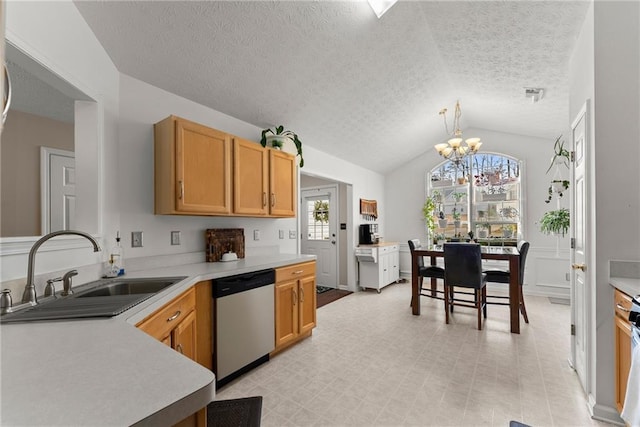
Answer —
502 253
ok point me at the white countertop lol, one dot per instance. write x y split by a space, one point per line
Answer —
627 285
106 371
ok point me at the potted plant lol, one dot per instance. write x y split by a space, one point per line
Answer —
555 222
557 186
483 231
277 136
428 211
560 154
456 217
442 220
507 230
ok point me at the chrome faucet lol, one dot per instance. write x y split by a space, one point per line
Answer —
66 282
29 295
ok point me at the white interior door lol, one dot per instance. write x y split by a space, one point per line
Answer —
319 223
58 189
580 221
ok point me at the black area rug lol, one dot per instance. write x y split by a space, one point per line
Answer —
322 289
245 412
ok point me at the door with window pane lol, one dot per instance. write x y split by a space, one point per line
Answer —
319 225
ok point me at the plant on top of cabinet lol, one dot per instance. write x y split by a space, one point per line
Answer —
277 136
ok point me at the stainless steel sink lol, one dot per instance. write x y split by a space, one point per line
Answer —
102 298
128 287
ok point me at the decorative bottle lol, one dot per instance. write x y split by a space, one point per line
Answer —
115 263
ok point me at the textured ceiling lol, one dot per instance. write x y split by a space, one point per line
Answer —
364 89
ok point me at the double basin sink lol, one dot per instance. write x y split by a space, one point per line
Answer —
101 298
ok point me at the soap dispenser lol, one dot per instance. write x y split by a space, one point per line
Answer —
115 263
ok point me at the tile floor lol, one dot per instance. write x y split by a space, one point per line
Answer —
371 363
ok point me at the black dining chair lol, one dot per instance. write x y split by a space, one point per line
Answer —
430 271
463 268
504 276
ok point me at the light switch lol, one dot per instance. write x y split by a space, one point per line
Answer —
136 239
175 237
256 234
281 234
292 234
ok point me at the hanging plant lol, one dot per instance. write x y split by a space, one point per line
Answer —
321 211
558 186
428 211
555 222
560 154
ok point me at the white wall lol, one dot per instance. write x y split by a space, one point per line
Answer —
141 106
614 87
405 190
56 35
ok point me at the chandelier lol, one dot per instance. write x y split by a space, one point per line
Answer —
456 149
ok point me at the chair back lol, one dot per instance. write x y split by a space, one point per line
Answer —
463 265
523 248
415 243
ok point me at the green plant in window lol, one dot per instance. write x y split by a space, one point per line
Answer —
428 211
321 211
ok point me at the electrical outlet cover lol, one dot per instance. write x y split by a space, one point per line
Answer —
175 237
292 234
136 239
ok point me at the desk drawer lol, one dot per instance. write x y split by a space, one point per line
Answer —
622 304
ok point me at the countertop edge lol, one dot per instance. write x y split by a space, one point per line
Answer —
627 285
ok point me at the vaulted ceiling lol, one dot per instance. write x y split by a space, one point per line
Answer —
364 89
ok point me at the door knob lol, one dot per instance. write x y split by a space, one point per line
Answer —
582 267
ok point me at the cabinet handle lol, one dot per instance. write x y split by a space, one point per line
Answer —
301 295
295 298
273 199
180 189
621 307
264 199
179 349
174 317
298 272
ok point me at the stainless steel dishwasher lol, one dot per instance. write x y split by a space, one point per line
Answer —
244 329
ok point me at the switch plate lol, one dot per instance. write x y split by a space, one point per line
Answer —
175 237
136 239
292 234
256 234
281 234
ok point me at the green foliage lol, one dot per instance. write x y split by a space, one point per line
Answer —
321 211
565 185
559 152
428 211
290 135
555 222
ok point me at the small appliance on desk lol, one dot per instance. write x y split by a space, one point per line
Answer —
368 234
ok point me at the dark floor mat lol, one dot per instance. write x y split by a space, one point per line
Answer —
322 289
245 412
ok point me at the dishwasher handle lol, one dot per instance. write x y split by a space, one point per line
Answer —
230 285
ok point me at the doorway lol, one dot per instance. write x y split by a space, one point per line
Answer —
58 189
342 224
319 218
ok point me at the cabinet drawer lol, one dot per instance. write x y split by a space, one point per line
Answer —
160 323
622 302
295 271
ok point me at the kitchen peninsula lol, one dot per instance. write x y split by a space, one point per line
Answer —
107 371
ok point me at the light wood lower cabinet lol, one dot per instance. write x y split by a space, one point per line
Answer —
622 333
295 303
184 324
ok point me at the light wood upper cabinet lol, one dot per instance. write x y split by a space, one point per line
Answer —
282 184
250 178
264 180
192 168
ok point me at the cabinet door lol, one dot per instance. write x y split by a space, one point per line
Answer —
184 336
307 306
282 182
203 169
250 173
286 311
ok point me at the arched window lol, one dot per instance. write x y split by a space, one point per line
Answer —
481 194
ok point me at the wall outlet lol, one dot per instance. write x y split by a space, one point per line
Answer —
136 239
281 234
175 237
256 234
292 234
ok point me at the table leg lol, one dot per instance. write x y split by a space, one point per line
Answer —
514 294
415 293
